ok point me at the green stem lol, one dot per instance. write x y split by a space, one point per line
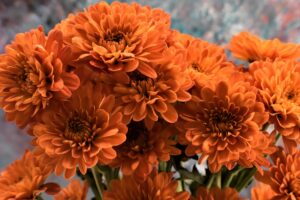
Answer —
231 176
105 171
162 166
182 183
99 186
247 179
218 180
277 137
169 165
92 185
265 126
116 173
39 197
210 181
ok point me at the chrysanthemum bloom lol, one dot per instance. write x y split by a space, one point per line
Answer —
144 148
74 191
223 124
147 98
262 192
118 37
205 60
25 179
34 73
217 194
283 176
81 132
248 47
156 187
279 89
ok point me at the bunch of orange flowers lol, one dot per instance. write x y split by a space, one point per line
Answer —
115 96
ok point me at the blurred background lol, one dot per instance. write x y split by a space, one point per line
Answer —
213 20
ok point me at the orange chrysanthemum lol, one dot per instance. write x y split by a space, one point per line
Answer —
283 176
279 88
25 179
118 37
147 98
156 187
223 124
248 47
81 132
144 148
205 60
34 73
217 194
262 192
74 191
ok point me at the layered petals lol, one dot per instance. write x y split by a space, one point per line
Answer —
283 177
81 132
216 194
144 148
25 179
159 186
262 192
249 47
222 123
35 73
117 37
74 191
280 93
151 99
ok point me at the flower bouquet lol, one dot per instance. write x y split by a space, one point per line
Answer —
135 110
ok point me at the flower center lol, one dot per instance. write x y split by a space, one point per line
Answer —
195 67
141 83
293 185
77 128
137 138
137 76
24 81
290 95
222 122
114 37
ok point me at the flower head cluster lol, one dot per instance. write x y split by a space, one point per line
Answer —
116 96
